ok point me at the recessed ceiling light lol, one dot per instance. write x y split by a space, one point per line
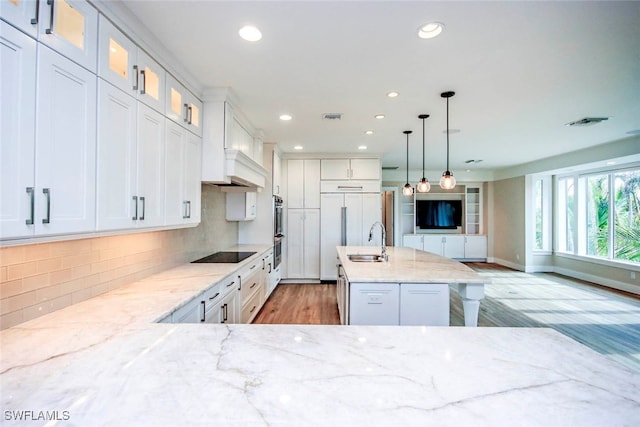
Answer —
379 116
362 147
297 147
368 132
250 33
430 30
285 117
392 94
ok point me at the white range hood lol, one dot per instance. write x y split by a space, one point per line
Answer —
243 172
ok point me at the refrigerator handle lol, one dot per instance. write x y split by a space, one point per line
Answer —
343 226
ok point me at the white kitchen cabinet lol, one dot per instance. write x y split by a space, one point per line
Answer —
239 138
191 312
361 210
70 27
433 244
131 145
374 303
65 147
453 246
303 183
182 176
123 64
21 13
230 304
17 130
303 243
344 169
473 209
413 241
276 174
182 106
424 304
241 206
475 247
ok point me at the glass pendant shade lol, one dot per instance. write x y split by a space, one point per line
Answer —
447 181
423 185
407 190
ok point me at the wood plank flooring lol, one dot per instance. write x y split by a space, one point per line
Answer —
606 321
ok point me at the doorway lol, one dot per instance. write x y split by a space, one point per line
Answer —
387 215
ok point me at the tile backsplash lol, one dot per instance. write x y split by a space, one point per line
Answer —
37 279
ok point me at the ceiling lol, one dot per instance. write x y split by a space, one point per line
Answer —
520 70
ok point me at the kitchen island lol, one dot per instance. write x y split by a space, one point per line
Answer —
422 272
106 362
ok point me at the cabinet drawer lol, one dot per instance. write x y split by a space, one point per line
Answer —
229 284
250 286
251 308
212 296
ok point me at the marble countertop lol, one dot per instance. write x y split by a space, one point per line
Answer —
104 362
406 265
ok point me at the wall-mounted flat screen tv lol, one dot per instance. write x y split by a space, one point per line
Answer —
438 214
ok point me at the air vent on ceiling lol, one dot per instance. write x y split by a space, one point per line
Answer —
332 116
587 121
389 168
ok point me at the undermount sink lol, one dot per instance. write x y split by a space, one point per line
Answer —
365 258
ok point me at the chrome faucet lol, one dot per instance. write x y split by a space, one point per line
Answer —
383 254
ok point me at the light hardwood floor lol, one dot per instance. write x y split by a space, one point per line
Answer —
604 320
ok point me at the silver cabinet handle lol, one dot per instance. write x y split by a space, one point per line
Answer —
230 284
253 309
31 192
186 113
239 283
254 283
269 268
135 203
350 187
184 210
135 72
144 83
53 8
214 297
202 316
189 205
35 20
190 110
144 204
47 194
224 313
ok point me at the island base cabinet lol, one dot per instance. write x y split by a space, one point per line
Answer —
374 304
424 304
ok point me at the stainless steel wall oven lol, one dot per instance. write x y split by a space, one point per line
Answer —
278 236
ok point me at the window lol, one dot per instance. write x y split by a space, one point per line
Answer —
542 212
603 216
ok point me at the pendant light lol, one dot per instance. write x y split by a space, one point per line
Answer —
423 186
407 190
447 181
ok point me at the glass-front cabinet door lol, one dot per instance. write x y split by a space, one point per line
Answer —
21 13
70 27
183 107
122 63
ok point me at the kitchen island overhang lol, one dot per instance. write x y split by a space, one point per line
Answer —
408 265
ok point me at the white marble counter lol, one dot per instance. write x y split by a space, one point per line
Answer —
103 362
406 265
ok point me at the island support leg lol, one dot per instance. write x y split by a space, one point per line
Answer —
471 294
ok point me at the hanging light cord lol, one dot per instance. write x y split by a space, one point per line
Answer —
407 158
447 134
423 147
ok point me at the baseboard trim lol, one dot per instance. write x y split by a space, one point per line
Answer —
615 284
509 264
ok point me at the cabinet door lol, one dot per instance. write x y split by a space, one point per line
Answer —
374 304
70 27
117 133
312 243
433 244
229 308
454 247
355 226
17 131
193 119
295 184
295 243
277 174
22 14
175 208
424 304
414 242
65 145
475 247
312 183
365 169
193 178
334 169
117 58
151 158
330 227
175 100
151 84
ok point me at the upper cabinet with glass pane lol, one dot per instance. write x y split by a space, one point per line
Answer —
183 107
123 64
71 28
22 14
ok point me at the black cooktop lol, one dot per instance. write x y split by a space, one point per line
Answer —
225 257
